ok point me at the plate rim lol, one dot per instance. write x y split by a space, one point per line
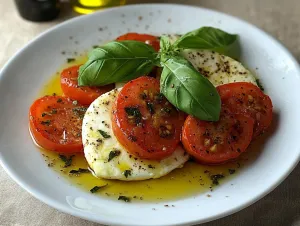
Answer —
56 205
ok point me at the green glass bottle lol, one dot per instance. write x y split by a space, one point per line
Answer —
38 10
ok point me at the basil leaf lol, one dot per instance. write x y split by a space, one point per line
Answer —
165 44
116 62
188 90
206 38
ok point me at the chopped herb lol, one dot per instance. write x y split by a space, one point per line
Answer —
215 178
104 134
59 100
96 188
259 85
113 154
151 167
143 96
124 198
44 114
127 173
159 97
150 108
134 112
79 171
132 138
69 60
47 122
166 110
79 111
231 171
53 111
66 160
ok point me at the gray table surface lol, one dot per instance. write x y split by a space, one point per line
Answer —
280 18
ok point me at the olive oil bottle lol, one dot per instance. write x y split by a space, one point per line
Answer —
90 6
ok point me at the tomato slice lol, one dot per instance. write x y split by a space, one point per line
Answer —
246 98
148 39
144 122
83 94
217 142
55 124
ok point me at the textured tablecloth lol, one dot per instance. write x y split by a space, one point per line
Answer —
280 18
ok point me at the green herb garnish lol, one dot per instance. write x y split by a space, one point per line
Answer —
97 188
117 62
127 173
259 85
79 171
134 112
79 111
66 160
70 60
206 38
124 198
104 134
150 108
215 178
54 111
113 154
46 122
181 83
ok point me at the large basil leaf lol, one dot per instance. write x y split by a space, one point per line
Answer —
116 62
206 38
188 90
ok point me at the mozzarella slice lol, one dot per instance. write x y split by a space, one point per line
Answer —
124 166
217 68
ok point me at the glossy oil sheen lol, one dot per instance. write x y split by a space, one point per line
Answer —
278 151
188 181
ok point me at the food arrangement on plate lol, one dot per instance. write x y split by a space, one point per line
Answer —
143 106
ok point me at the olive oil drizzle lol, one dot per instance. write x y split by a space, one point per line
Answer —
190 180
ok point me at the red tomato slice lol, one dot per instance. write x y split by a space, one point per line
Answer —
55 123
144 122
246 98
83 94
217 142
148 39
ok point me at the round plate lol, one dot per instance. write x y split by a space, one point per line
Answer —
25 74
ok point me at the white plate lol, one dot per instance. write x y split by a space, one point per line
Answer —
24 75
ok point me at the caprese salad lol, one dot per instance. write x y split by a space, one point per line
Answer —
142 105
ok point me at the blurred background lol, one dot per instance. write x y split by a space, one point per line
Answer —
22 20
279 18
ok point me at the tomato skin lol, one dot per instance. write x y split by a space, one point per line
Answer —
50 119
151 135
83 94
148 39
217 142
246 98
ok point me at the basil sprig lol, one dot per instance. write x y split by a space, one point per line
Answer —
117 62
189 91
181 83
